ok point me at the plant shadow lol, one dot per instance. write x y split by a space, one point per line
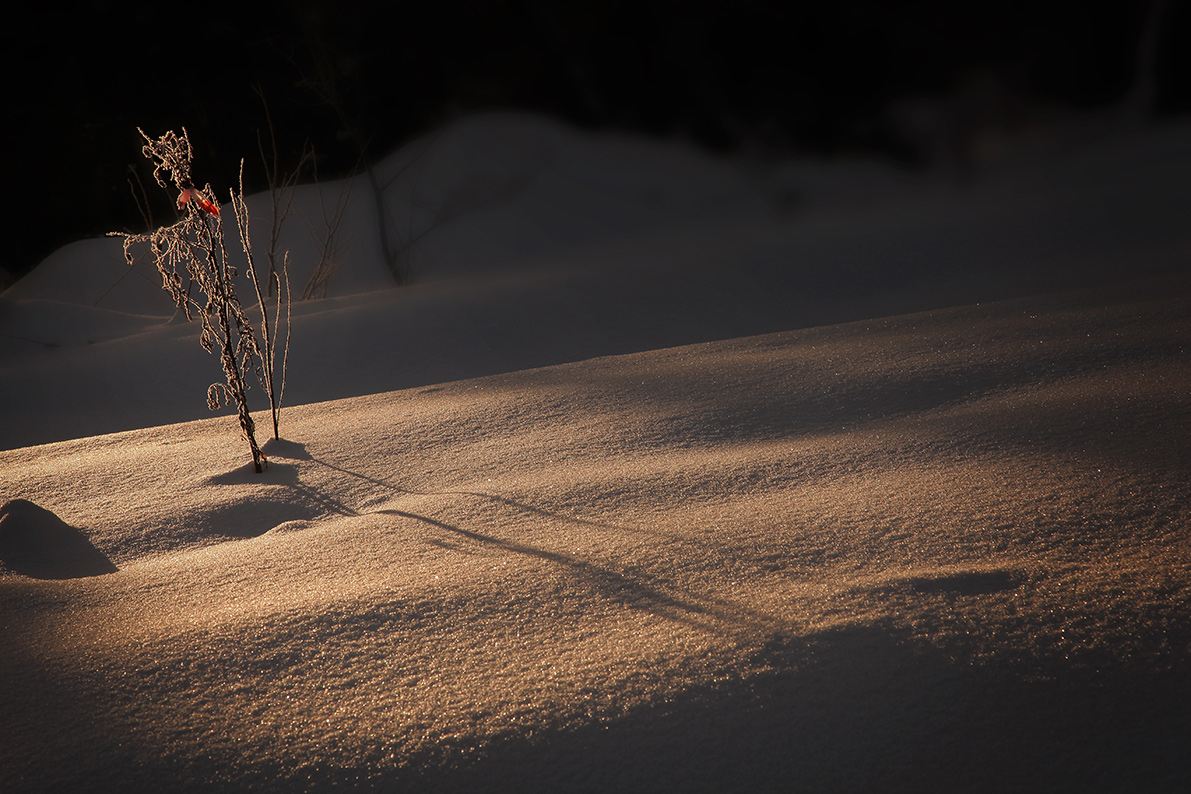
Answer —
634 590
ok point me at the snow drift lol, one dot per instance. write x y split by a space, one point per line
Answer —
717 501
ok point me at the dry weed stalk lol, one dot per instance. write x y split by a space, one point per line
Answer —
267 352
193 251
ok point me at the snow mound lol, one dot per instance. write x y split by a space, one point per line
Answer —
94 273
493 191
49 324
36 543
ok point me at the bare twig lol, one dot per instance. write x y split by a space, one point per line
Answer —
281 184
328 257
265 371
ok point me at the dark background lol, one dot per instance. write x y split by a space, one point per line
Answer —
357 79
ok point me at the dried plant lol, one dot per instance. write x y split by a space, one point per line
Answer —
328 240
267 371
282 186
193 251
325 81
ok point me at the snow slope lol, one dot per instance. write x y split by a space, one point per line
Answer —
942 551
710 502
532 245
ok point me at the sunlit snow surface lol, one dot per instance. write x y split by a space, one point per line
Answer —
664 473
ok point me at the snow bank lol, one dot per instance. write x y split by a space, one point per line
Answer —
530 244
932 552
662 475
